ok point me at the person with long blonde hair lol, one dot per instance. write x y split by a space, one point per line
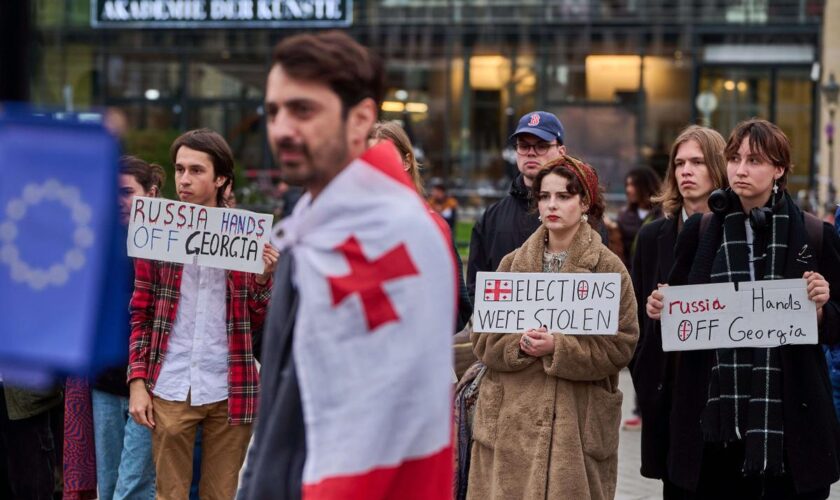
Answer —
696 167
394 132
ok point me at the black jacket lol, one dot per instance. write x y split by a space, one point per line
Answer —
651 265
278 453
502 228
629 224
465 305
812 436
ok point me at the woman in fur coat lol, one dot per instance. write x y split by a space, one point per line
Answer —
549 407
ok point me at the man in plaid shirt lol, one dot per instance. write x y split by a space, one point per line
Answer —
191 358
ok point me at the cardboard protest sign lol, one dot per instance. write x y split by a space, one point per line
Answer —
755 314
175 231
570 303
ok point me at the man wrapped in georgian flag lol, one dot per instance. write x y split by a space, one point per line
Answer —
372 341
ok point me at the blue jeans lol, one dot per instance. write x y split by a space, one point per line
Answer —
196 465
832 359
124 467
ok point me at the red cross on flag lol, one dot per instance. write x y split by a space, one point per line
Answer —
498 290
373 335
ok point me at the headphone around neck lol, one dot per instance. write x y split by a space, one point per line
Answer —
721 202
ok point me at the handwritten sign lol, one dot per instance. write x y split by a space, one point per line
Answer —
174 231
756 314
570 303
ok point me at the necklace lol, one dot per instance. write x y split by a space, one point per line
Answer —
553 261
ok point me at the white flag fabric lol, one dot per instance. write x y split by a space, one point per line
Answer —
373 335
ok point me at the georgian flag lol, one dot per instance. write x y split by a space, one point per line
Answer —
373 335
498 290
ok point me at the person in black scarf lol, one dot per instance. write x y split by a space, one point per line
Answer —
755 423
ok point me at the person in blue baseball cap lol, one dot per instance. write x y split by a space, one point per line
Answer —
506 225
538 139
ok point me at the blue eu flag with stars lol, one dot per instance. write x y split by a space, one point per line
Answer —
63 264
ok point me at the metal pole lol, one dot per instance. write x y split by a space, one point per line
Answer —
829 132
466 137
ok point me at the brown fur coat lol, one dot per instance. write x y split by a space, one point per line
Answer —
548 428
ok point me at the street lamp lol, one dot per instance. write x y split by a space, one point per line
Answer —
830 91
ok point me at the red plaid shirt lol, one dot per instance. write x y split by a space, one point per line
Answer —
157 288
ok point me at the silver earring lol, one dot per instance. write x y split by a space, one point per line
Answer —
539 218
584 218
775 188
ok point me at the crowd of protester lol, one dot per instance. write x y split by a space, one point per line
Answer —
539 413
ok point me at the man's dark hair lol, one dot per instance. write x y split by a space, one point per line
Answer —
349 69
210 142
766 140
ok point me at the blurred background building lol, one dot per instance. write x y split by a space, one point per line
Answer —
624 76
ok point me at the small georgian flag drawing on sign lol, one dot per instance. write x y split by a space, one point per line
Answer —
498 290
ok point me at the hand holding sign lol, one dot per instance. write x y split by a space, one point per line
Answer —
818 291
655 303
270 255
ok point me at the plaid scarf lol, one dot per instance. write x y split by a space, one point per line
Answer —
745 390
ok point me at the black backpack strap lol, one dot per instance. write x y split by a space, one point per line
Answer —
814 232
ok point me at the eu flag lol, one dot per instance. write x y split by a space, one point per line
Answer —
63 276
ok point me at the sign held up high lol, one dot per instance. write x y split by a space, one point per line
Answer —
175 231
569 303
755 314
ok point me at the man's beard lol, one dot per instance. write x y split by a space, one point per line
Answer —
299 172
330 158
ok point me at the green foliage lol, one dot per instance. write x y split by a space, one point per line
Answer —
463 231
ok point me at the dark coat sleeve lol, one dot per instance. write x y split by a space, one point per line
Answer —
649 366
638 272
829 267
642 273
685 250
465 306
278 453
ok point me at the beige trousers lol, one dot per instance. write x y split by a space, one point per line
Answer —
223 449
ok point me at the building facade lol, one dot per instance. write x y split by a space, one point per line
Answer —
624 76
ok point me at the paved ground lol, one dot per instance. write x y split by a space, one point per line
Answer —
631 485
